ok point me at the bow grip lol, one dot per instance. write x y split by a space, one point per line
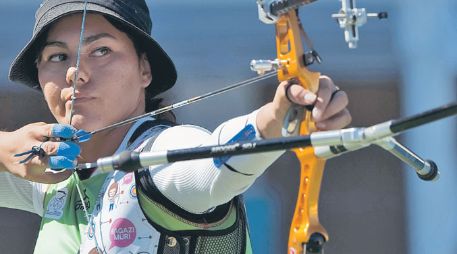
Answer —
305 222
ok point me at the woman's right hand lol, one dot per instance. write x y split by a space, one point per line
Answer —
59 153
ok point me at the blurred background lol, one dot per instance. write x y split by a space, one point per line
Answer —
370 202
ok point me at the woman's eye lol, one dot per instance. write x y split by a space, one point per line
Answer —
101 51
57 58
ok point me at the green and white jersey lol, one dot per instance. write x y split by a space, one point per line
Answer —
183 207
116 224
120 225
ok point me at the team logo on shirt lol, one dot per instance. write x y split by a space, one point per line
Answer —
56 204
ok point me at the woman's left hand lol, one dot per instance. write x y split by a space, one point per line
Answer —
329 112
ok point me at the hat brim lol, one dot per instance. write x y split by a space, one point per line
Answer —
23 69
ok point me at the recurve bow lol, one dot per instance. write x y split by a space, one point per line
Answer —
306 234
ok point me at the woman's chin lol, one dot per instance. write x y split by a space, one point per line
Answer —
84 123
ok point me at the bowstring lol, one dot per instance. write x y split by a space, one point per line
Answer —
78 61
89 217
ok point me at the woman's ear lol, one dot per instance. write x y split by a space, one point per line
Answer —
145 70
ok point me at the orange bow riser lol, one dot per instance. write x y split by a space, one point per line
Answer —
305 222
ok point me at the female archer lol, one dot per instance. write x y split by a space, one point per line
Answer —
184 207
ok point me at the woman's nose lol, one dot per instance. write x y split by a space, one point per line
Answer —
79 77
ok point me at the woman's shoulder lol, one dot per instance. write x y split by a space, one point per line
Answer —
181 136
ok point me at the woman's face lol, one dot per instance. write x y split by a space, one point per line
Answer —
111 79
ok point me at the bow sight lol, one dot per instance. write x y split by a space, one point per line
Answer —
351 18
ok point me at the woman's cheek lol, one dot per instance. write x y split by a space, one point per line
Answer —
52 97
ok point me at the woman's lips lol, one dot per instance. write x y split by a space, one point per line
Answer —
78 96
82 99
79 100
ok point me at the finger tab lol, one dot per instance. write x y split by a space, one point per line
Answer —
63 131
58 163
68 149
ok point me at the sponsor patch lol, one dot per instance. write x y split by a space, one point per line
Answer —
246 134
122 233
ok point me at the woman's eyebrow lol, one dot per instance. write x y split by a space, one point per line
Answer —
99 36
87 40
55 44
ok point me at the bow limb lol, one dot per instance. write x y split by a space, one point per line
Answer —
290 53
